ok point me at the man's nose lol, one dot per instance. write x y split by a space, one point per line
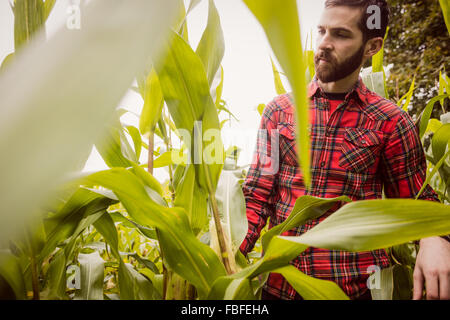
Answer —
324 43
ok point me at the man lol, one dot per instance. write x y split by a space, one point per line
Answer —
360 143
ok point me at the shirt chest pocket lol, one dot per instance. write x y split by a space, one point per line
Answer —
287 144
360 150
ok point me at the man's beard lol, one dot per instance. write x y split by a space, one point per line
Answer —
332 71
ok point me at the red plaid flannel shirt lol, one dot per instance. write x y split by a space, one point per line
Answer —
366 143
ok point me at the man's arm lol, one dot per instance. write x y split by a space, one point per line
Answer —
404 172
260 183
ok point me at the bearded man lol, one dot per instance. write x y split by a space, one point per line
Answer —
360 142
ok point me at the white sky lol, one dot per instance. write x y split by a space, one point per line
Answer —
248 79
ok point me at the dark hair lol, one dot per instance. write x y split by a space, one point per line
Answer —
363 5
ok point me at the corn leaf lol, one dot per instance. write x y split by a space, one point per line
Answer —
446 13
91 276
137 140
153 103
430 175
373 224
305 208
10 270
211 47
29 18
277 80
408 96
231 203
311 288
95 83
193 199
186 255
433 125
440 141
48 7
427 113
377 59
186 92
132 285
282 28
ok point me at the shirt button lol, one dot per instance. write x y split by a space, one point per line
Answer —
322 164
363 141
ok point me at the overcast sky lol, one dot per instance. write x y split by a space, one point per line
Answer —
248 79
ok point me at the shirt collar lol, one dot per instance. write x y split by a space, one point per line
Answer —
359 89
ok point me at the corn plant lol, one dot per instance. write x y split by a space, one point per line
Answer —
130 235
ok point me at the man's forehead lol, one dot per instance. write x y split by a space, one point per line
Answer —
340 17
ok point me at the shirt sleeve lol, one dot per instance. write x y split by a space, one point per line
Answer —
404 163
259 187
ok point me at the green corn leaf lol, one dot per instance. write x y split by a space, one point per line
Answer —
66 222
10 270
133 285
86 222
310 61
185 254
56 277
305 208
7 61
440 144
433 172
50 73
427 113
440 141
91 276
222 107
277 80
190 196
219 89
186 92
148 179
29 18
408 96
137 139
231 204
311 288
48 7
281 25
377 59
147 263
172 157
260 108
374 224
181 25
193 4
114 147
211 47
433 125
446 13
153 103
146 231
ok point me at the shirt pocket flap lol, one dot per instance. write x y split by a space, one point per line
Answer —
363 137
287 130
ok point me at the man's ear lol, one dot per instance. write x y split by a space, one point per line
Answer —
373 46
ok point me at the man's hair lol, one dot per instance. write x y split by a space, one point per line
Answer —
363 5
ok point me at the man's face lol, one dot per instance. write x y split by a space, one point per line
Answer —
340 48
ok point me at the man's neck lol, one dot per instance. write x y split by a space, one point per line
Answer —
342 85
